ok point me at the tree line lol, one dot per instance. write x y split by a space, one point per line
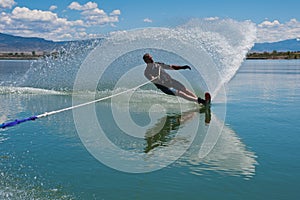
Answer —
274 55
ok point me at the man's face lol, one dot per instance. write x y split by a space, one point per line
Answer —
148 59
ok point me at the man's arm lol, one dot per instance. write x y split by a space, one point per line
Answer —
174 67
177 67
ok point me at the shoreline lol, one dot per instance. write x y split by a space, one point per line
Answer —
275 55
250 56
20 58
247 58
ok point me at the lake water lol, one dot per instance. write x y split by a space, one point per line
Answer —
255 156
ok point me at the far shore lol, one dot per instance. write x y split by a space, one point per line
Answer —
20 57
26 56
250 56
275 55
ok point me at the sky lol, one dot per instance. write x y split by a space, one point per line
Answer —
72 20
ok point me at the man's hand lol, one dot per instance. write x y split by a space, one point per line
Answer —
177 67
186 67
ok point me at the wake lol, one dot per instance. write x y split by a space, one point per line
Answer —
214 49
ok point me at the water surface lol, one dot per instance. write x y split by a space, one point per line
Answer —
256 156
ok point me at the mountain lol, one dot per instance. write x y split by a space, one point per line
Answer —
281 46
10 43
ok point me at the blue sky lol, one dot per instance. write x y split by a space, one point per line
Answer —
69 20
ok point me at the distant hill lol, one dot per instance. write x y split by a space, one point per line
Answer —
281 46
10 43
17 44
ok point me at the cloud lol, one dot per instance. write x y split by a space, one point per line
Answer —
88 6
94 15
7 3
47 24
269 24
269 31
211 18
147 20
37 23
53 7
115 12
25 14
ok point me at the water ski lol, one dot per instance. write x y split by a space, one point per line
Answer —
206 101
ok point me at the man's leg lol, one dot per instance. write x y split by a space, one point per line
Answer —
180 90
188 92
186 96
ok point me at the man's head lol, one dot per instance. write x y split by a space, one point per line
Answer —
148 58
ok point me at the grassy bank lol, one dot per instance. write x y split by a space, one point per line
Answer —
274 55
252 55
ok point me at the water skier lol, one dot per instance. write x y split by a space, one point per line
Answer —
155 72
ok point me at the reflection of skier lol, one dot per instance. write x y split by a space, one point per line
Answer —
162 80
162 132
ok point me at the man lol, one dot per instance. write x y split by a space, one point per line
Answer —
156 73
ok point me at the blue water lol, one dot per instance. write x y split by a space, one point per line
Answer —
264 109
144 144
256 156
